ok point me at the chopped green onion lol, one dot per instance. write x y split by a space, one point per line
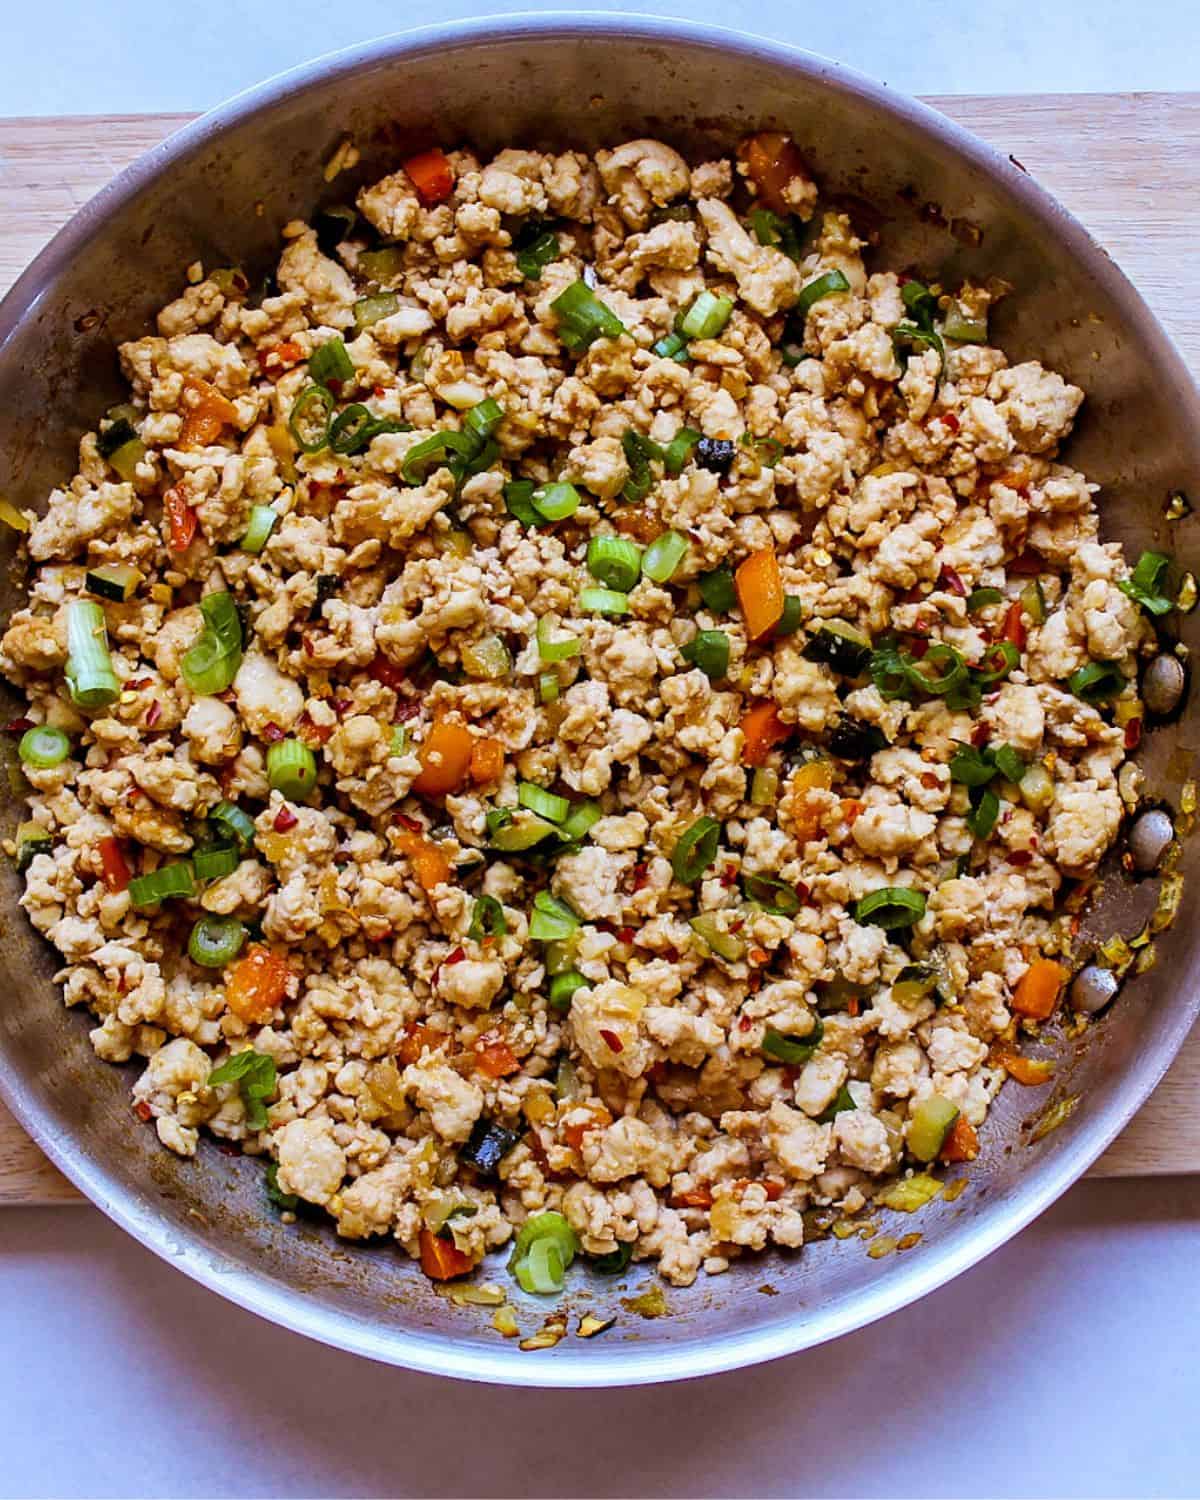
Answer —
382 265
91 681
708 650
890 907
538 800
726 945
215 862
773 895
117 581
907 336
229 818
357 427
1144 585
483 418
1033 601
980 599
487 919
399 741
254 1074
440 450
583 318
792 617
919 300
291 769
604 602
615 562
514 835
764 787
487 660
639 451
563 988
1009 763
213 661
371 310
696 850
828 284
542 1253
792 1050
162 884
555 502
998 661
985 810
309 421
259 528
549 687
775 232
663 556
888 674
286 1203
551 649
706 317
615 1262
43 746
1097 682
580 820
675 455
843 1101
673 346
330 362
718 591
552 920
216 941
534 258
518 501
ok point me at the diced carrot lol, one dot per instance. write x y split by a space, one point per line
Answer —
598 1118
418 1039
487 761
697 1197
442 1260
759 586
1027 1070
115 871
495 1059
962 1144
282 357
445 759
1014 626
851 808
432 176
772 160
257 984
205 413
181 521
1039 989
430 865
762 728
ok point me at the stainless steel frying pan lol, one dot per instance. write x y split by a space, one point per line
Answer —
936 198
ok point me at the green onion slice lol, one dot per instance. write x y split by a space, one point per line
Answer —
604 602
985 809
639 452
549 687
551 648
696 850
888 674
440 450
564 987
538 800
708 650
1009 763
215 862
91 681
675 454
518 501
890 907
718 591
555 502
773 895
552 921
534 258
673 346
291 769
971 767
1097 682
357 427
828 284
615 1262
309 421
213 661
792 617
580 820
775 232
583 318
727 945
230 819
979 599
792 1050
1144 585
216 941
162 884
259 528
542 1253
483 418
614 561
511 835
43 746
330 362
949 670
706 317
663 556
487 918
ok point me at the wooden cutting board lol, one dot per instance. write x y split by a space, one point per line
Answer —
1127 164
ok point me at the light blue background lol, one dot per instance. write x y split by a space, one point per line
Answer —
1064 1365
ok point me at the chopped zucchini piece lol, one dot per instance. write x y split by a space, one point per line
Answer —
114 581
839 646
929 1125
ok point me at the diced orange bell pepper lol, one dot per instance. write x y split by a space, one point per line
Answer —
697 1197
114 869
574 1132
257 984
772 160
181 521
803 813
1039 989
495 1058
1029 1071
851 809
762 729
487 761
445 758
759 585
416 1040
430 865
205 413
432 176
442 1260
962 1144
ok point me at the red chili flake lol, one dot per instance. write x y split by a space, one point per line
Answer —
143 1111
18 726
744 1023
950 580
919 647
737 926
1021 857
625 935
641 876
453 958
153 714
802 891
407 708
313 734
852 1007
387 672
951 422
410 823
285 818
1029 563
1133 734
758 956
134 683
309 648
928 779
341 706
380 390
273 734
979 736
729 875
774 1190
612 1041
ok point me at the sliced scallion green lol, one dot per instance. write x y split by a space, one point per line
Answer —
564 987
675 454
552 921
291 769
230 819
515 835
580 820
549 687
718 591
706 317
542 1253
440 450
773 895
1145 583
310 417
213 661
663 556
533 259
727 945
518 501
695 850
555 502
91 681
538 800
979 599
330 362
356 428
216 941
673 346
552 648
214 863
604 602
583 318
792 1050
985 809
43 746
614 561
639 452
487 919
708 650
890 907
259 528
163 884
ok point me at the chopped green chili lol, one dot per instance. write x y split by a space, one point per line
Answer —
696 850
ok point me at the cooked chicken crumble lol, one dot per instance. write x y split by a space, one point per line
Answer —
847 625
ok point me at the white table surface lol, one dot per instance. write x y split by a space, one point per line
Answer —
1064 1365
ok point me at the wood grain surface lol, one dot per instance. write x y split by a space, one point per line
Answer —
1127 164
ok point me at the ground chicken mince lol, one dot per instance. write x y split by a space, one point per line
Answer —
569 711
